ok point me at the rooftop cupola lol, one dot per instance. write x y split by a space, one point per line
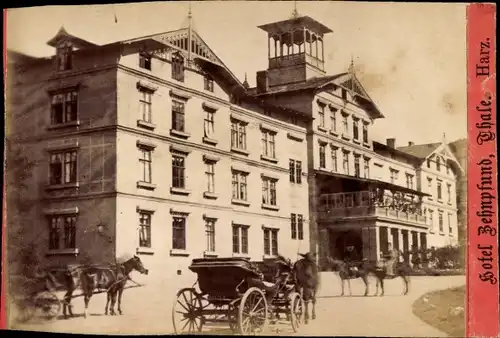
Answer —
295 49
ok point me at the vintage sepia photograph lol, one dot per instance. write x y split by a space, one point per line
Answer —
294 168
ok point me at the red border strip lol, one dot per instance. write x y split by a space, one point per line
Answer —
482 278
3 297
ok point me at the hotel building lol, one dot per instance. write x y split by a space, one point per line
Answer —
152 146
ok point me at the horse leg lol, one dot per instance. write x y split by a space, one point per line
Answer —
406 285
342 281
86 299
349 285
108 298
120 292
113 302
314 307
381 287
67 303
365 280
376 285
306 312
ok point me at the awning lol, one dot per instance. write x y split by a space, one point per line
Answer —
373 182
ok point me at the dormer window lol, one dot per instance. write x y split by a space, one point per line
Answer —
64 57
145 61
178 67
438 163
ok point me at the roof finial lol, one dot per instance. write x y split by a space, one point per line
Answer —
351 66
245 83
189 12
444 138
295 13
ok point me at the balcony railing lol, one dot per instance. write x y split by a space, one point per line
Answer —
292 59
361 204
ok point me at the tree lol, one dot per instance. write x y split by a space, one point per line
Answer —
22 256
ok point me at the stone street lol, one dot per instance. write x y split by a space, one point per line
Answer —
147 312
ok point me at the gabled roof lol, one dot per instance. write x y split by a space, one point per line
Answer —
381 146
348 80
62 34
422 151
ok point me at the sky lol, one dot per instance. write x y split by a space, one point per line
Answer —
410 57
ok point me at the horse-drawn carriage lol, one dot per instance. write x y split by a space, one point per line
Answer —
234 291
33 297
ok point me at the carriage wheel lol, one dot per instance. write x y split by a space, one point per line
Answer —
47 304
24 311
252 314
297 307
186 315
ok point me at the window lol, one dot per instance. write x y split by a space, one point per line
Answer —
429 182
63 167
209 122
345 124
295 170
294 120
239 185
438 163
447 169
179 232
366 168
448 190
394 175
409 181
431 220
300 226
145 61
345 163
333 119
268 144
293 224
450 228
178 116
334 159
321 113
178 67
64 57
210 174
268 191
357 169
238 135
208 83
144 229
145 162
210 234
344 94
355 128
145 104
64 107
240 239
365 133
270 241
439 191
65 225
178 171
441 225
322 159
428 163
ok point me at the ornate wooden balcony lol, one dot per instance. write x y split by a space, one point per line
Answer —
362 204
293 59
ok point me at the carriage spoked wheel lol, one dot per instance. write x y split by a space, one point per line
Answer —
186 312
296 314
253 312
47 304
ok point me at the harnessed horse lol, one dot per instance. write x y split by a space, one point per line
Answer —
110 278
307 282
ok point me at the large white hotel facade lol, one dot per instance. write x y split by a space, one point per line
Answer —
152 146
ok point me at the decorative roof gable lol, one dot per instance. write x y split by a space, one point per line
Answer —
62 36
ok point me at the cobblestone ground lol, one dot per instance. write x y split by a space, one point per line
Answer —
148 310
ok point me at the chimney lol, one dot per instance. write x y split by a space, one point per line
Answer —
262 82
391 142
411 143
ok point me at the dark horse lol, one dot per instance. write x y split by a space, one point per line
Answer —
366 269
108 278
307 282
